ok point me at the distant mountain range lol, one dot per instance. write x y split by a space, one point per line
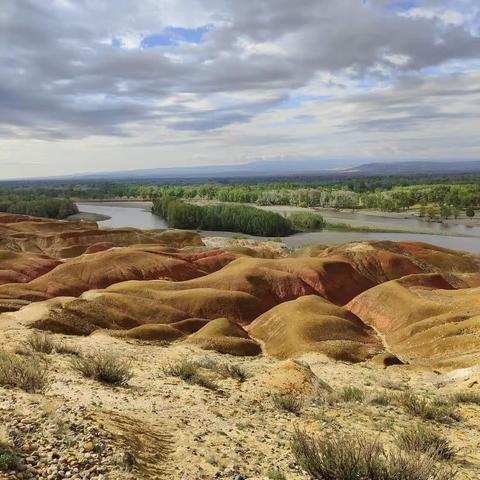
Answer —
281 168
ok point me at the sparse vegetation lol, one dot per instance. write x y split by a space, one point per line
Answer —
352 394
105 367
237 372
423 438
47 344
288 403
381 398
429 410
8 461
275 474
189 372
466 397
28 373
41 343
359 458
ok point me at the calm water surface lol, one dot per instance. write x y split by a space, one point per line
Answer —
137 214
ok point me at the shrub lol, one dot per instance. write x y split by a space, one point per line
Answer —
9 461
103 366
28 373
46 343
275 474
428 410
237 372
352 394
466 397
358 458
382 398
307 221
66 349
288 403
422 438
189 372
41 343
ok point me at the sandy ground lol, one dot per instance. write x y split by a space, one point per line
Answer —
181 431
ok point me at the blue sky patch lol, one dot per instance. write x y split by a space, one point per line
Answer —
175 35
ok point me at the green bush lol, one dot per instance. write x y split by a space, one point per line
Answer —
229 218
307 221
352 394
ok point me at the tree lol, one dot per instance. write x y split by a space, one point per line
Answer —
431 212
445 211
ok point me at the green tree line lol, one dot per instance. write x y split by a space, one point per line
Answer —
223 217
38 207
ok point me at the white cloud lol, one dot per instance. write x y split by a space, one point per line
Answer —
271 78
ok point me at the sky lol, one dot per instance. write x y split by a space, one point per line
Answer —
96 85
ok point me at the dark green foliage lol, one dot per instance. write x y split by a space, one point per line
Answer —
229 218
38 206
306 221
470 212
9 461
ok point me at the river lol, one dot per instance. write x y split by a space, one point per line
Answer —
137 214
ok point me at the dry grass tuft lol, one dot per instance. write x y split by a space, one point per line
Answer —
274 474
352 394
47 344
381 398
437 410
28 373
288 403
357 458
105 367
237 372
423 438
467 397
190 373
41 343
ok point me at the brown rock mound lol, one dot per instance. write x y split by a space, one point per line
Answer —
313 324
422 324
290 377
100 270
21 268
225 336
150 332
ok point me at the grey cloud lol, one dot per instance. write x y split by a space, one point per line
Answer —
57 80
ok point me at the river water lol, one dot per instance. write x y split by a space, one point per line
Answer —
137 214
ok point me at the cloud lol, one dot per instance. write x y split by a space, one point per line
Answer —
163 69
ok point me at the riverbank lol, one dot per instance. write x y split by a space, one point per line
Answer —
88 217
135 214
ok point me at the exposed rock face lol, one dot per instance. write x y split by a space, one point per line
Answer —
423 323
313 324
166 285
225 336
102 269
21 268
64 239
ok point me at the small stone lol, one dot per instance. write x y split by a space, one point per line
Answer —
89 447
